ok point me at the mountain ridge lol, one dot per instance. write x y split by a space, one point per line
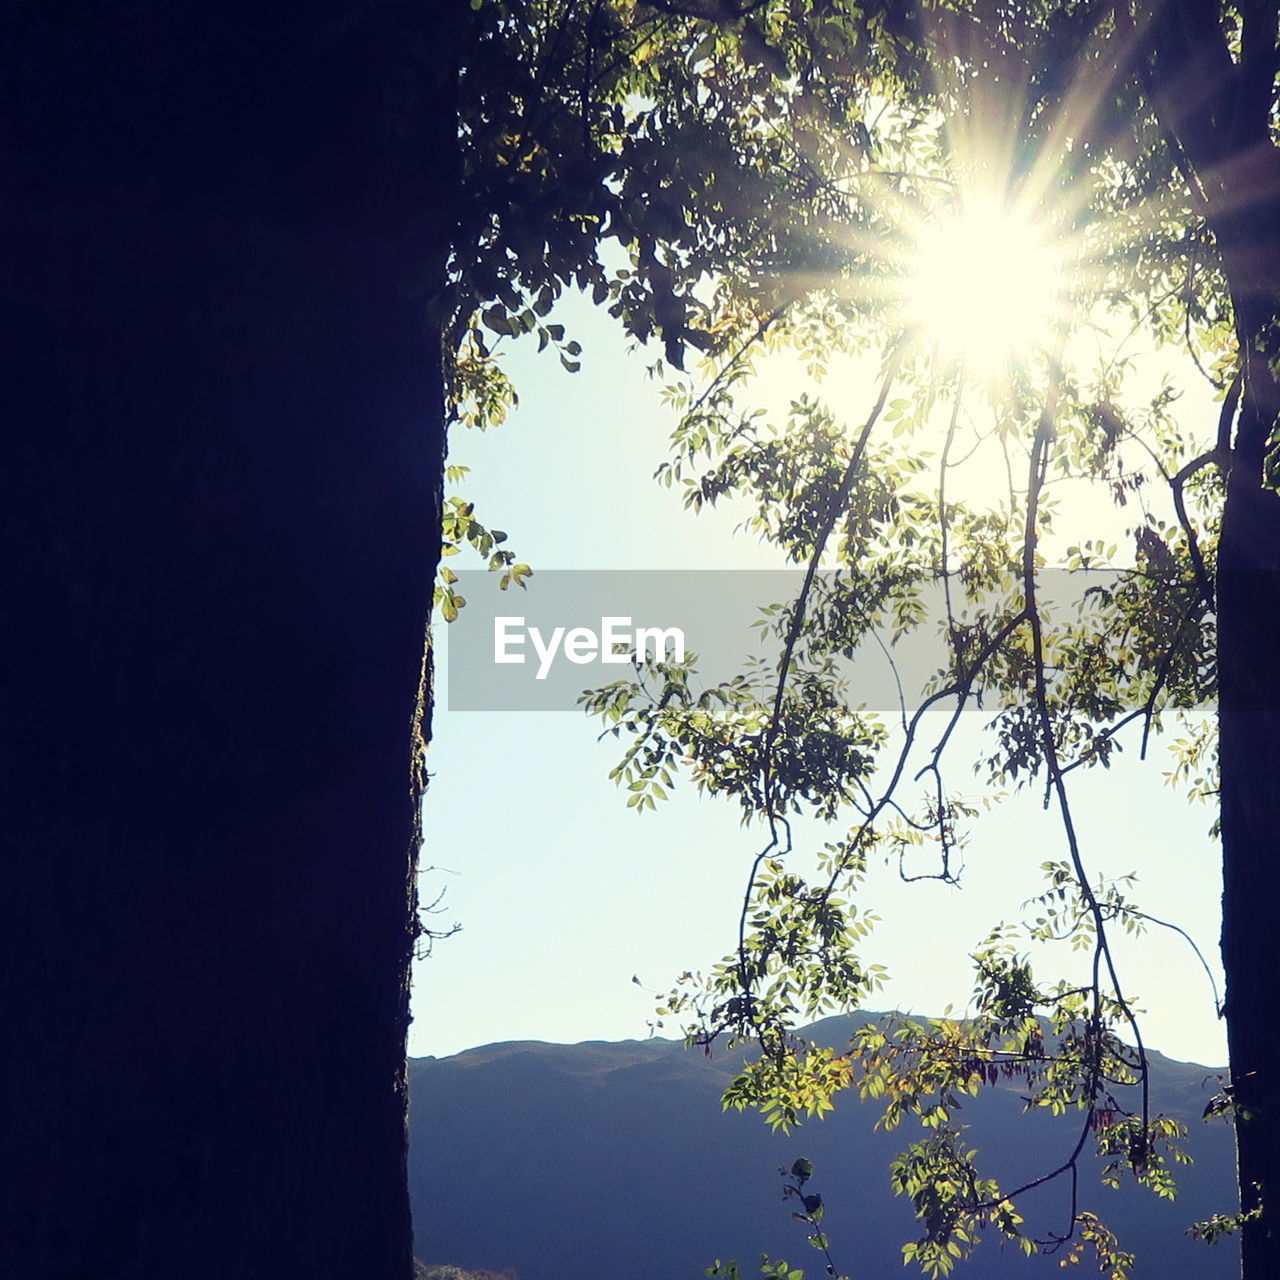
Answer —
614 1158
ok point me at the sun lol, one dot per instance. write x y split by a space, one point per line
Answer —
984 285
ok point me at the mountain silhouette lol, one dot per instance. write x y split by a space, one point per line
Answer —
615 1160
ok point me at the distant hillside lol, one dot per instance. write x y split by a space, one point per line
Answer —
614 1161
423 1272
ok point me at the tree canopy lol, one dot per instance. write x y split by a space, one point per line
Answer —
981 200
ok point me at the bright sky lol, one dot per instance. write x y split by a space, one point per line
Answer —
563 894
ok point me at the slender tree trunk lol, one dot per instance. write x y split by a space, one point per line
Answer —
1249 730
223 411
1249 746
1216 110
1248 621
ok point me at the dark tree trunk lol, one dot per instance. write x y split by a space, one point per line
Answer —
1249 747
1216 111
223 416
1249 730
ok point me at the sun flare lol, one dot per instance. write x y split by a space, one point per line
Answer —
984 286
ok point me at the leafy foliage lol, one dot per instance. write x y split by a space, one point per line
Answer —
746 181
896 116
630 151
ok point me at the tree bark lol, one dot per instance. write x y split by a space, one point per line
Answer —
1249 755
1248 589
1216 111
221 504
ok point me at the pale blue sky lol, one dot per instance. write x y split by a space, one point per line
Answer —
564 895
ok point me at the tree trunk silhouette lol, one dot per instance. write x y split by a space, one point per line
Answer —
1249 742
1216 113
1249 748
224 419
